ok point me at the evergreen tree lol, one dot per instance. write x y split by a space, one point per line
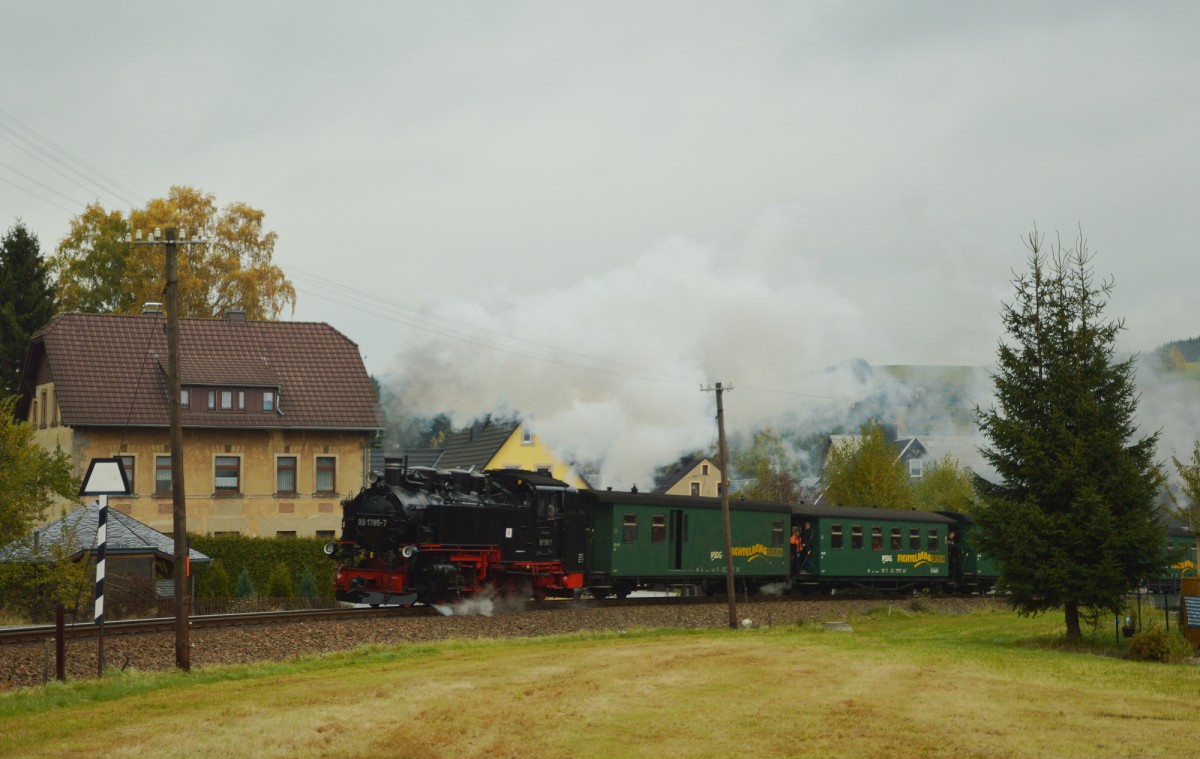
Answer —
26 302
279 584
1072 522
245 585
308 585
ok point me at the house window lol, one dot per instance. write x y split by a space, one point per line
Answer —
241 400
932 543
212 400
127 465
285 474
162 474
185 398
704 470
526 437
285 533
546 470
629 529
914 539
326 474
226 400
268 400
720 488
876 538
227 474
42 411
658 529
836 539
897 539
777 533
856 536
914 467
695 488
325 533
226 534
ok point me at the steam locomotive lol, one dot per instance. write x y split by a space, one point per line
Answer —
423 535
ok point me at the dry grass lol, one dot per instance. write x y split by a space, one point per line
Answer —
900 684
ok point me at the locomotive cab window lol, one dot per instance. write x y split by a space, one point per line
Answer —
777 533
897 540
629 529
836 539
914 539
933 543
658 529
876 538
856 537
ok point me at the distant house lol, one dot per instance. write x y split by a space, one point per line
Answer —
277 416
496 445
697 476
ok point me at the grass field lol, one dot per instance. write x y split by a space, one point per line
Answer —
900 684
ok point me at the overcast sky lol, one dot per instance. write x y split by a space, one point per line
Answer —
672 192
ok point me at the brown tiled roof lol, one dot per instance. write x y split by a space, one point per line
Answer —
111 370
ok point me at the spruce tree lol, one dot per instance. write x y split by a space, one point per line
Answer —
26 301
1072 522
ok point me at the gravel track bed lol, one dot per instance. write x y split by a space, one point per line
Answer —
22 664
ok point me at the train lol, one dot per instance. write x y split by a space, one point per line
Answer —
433 536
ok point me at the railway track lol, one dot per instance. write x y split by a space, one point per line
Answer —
83 630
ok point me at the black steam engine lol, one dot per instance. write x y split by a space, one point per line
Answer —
428 535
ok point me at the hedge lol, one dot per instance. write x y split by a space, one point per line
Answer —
261 556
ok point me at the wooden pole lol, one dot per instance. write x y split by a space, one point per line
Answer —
183 653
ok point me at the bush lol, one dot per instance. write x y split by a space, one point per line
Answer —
260 556
214 582
1157 644
279 584
245 585
308 586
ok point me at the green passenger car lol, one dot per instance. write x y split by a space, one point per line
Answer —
874 548
647 540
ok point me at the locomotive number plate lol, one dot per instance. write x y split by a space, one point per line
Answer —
370 522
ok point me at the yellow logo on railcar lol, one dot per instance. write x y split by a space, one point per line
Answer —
921 558
1183 566
757 551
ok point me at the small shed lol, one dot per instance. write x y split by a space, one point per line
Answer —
136 555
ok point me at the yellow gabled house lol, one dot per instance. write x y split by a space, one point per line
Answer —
696 477
504 445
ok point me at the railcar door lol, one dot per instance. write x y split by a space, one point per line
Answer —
677 537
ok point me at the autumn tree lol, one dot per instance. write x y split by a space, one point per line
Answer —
1189 476
867 472
945 486
1072 520
771 468
97 271
30 476
26 302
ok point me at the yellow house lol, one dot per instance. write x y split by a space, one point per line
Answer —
278 417
501 445
695 477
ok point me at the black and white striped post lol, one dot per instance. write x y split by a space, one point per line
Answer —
105 477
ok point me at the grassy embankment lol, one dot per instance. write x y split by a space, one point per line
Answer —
901 684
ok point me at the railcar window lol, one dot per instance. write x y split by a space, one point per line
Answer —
876 538
777 533
658 529
932 543
835 536
629 529
856 535
897 540
914 539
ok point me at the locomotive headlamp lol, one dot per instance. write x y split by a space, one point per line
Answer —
408 551
373 477
330 547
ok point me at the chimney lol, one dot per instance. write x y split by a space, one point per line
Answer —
152 309
890 432
235 314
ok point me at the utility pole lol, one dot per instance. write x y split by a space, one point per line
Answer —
183 646
723 454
